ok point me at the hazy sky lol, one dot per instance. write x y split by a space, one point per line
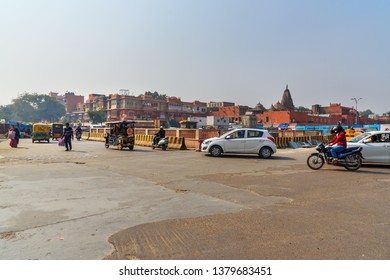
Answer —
242 51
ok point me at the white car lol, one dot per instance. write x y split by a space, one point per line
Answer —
241 141
375 144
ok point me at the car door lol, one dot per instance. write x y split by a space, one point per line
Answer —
378 150
235 142
253 141
385 139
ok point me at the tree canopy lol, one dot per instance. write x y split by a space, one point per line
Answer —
366 113
156 95
33 108
97 116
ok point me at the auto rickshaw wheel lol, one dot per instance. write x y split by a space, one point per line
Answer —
120 146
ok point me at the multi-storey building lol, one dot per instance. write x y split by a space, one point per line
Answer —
214 106
146 107
95 102
71 101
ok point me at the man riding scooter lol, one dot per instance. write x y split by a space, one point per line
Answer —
158 135
159 140
79 131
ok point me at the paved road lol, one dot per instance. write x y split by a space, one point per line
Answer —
186 205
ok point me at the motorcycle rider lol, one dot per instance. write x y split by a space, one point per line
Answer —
338 143
78 132
158 135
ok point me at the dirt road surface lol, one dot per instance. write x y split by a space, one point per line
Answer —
97 203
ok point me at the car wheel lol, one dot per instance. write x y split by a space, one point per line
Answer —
265 152
215 151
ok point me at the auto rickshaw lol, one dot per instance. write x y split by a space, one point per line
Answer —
57 129
353 132
41 132
120 135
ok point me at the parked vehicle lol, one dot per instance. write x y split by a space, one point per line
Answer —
350 158
41 132
57 129
162 143
375 144
241 141
121 135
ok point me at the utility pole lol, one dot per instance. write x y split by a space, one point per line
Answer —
356 107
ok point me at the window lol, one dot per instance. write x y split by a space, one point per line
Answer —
238 134
254 133
384 137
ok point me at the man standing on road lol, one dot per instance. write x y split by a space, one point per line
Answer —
68 135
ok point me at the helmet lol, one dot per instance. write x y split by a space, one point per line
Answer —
337 129
161 127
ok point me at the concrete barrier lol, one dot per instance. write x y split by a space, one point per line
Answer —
143 140
85 135
176 143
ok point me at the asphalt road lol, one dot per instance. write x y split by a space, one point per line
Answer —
97 203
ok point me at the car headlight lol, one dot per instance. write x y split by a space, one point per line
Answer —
207 142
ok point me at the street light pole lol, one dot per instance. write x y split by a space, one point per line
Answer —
356 107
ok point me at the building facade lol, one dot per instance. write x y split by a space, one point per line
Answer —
145 107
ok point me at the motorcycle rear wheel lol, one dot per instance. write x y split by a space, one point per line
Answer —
315 162
353 162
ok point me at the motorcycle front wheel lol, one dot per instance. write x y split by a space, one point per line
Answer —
353 162
315 162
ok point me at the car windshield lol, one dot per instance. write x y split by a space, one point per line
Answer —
358 138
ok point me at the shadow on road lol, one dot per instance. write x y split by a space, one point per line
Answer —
253 157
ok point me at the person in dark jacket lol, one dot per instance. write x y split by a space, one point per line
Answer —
158 135
17 133
68 136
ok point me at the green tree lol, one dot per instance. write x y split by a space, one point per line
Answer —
97 116
6 112
366 113
302 109
37 107
156 95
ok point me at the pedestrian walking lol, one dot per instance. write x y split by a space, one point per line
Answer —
11 136
68 137
17 133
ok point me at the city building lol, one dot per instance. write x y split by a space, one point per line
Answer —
147 107
71 101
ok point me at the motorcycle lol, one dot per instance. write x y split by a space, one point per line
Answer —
78 135
162 143
350 158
